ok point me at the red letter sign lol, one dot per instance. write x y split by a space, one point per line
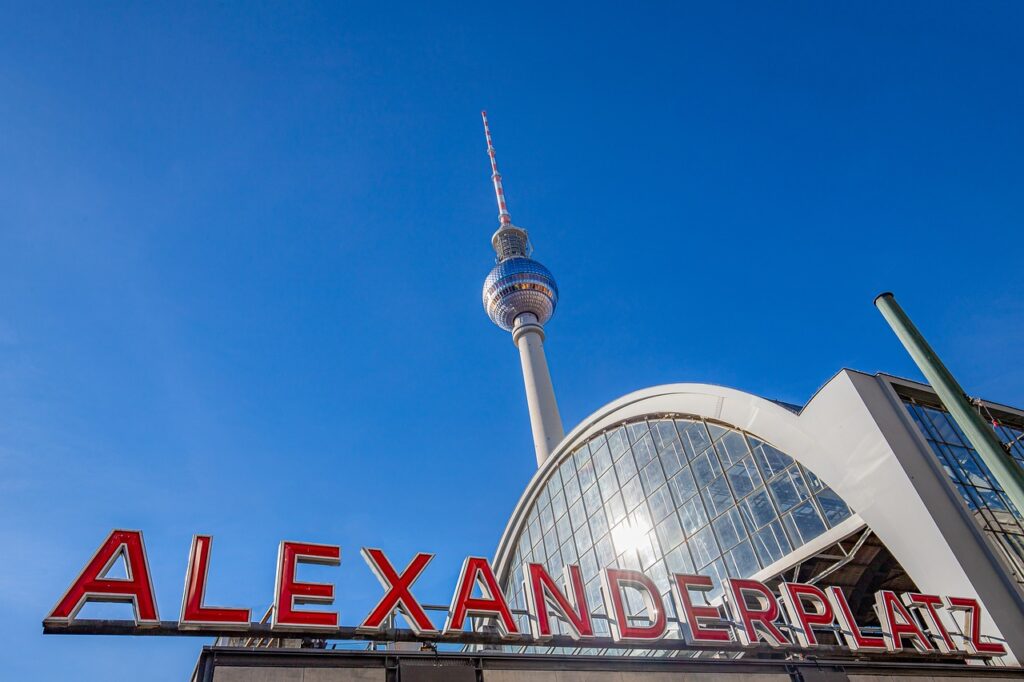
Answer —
193 612
689 614
796 597
760 621
850 631
614 579
291 592
973 643
897 623
476 570
91 585
542 593
398 595
925 605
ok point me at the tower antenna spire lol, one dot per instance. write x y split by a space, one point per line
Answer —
499 191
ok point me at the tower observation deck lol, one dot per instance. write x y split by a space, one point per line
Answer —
520 296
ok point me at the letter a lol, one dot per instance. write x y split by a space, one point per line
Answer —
93 585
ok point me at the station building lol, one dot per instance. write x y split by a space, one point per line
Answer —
870 485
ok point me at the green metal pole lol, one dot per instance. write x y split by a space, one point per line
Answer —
983 438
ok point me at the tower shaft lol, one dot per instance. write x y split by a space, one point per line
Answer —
545 420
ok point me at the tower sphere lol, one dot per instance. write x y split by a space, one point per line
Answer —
516 286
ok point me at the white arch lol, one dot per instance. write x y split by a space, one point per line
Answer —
765 419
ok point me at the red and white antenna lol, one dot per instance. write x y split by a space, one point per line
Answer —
499 191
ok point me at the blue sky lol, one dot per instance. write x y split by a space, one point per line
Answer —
241 250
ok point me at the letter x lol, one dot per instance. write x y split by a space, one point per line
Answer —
398 593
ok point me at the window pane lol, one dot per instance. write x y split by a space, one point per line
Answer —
729 529
695 438
769 459
744 477
788 489
661 503
588 565
648 551
535 535
615 508
692 515
625 467
605 552
641 519
942 425
678 560
705 468
550 545
704 547
741 561
835 509
557 503
544 499
571 485
607 483
732 448
804 523
663 432
758 508
578 515
564 528
672 457
717 496
813 481
719 575
602 459
653 476
771 543
598 522
547 521
569 555
683 486
583 537
632 493
592 499
617 442
716 430
586 471
670 532
644 452
637 430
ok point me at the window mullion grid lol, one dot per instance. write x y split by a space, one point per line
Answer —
813 495
768 492
939 447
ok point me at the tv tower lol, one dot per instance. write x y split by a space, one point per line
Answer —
520 295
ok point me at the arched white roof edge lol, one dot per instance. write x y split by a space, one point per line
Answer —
763 418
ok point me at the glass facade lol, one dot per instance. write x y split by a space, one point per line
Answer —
973 480
670 495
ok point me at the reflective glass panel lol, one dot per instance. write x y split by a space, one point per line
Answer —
681 495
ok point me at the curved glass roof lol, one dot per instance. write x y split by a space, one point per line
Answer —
670 495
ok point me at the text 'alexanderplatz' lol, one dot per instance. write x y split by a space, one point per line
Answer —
751 614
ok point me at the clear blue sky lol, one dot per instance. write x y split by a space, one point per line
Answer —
242 245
